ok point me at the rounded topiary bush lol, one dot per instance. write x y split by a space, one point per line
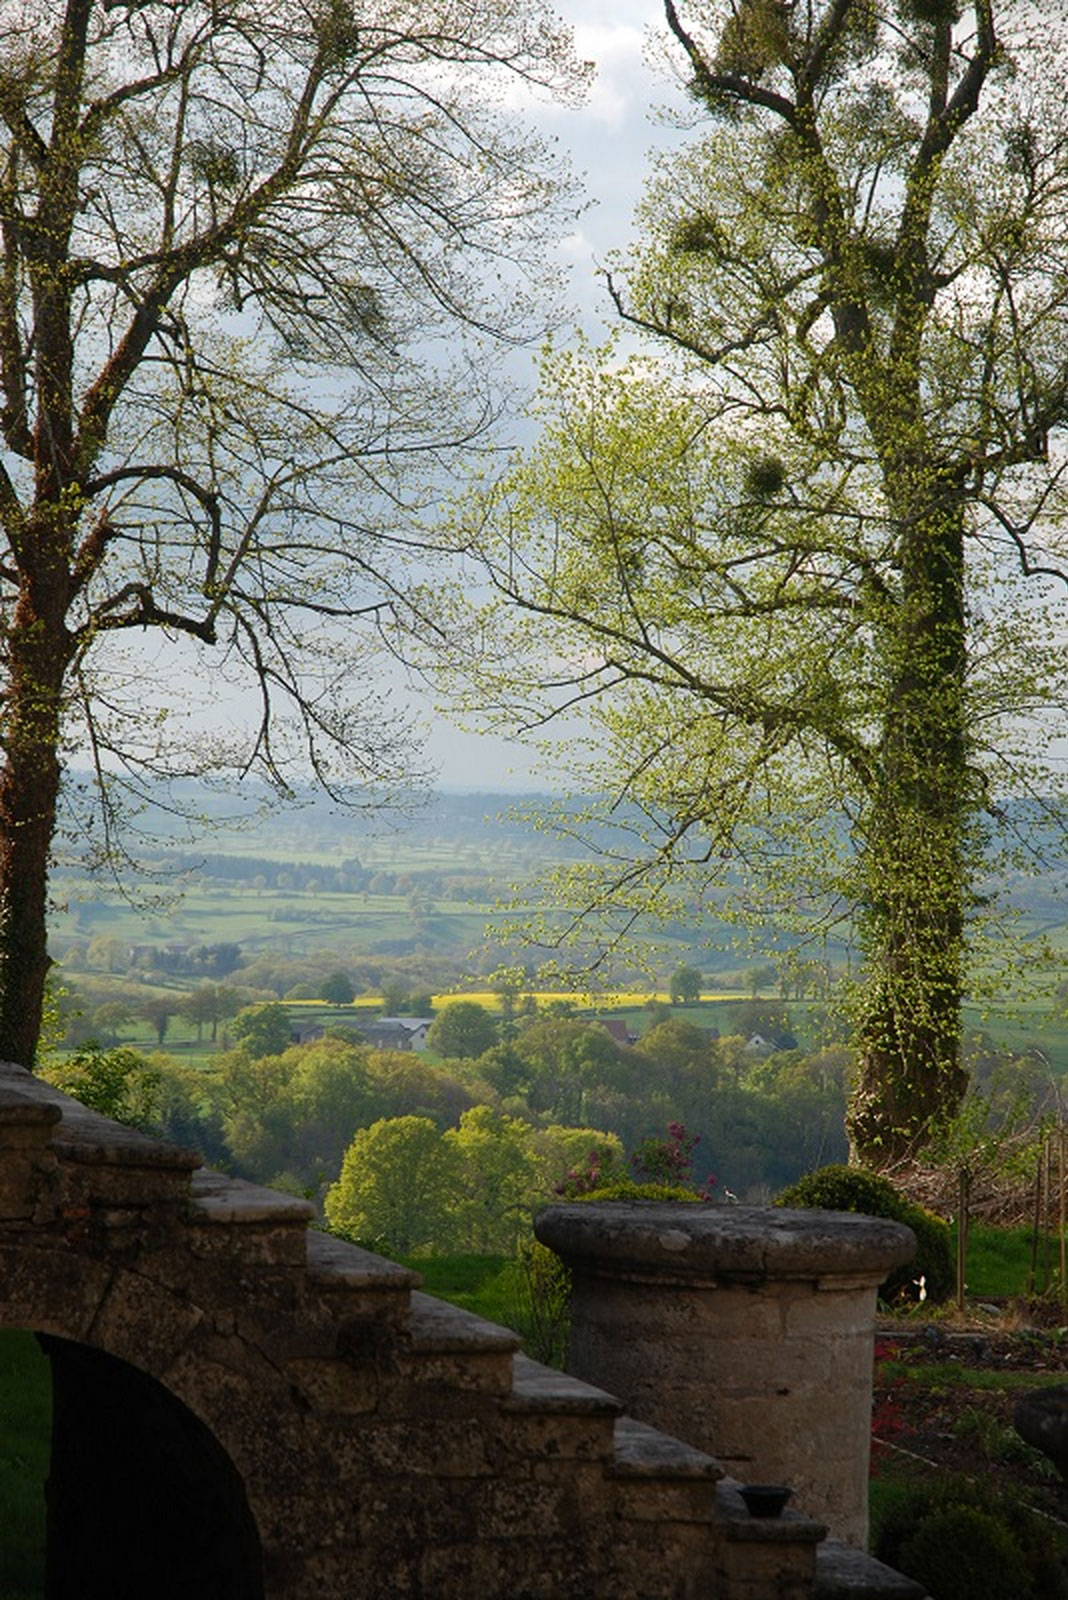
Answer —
961 1552
839 1188
961 1539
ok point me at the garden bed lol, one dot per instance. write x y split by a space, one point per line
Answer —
943 1404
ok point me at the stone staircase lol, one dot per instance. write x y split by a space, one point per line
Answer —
384 1443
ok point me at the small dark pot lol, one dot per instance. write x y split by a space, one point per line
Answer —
765 1499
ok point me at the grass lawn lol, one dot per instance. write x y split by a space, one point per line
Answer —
999 1262
477 1283
25 1422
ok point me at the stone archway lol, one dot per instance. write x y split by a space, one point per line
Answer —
249 1410
141 1499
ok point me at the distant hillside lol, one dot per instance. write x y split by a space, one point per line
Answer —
419 881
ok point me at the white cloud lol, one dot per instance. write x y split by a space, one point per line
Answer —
576 246
621 80
609 137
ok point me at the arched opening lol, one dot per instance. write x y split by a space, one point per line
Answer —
140 1499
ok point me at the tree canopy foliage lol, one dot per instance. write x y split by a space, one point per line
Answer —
396 1182
243 254
337 989
763 1118
803 567
119 1084
685 986
463 1029
263 1030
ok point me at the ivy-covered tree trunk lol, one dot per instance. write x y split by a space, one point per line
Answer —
914 851
29 790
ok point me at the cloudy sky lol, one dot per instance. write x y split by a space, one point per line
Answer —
608 140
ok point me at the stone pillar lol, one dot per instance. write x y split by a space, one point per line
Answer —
27 1160
746 1331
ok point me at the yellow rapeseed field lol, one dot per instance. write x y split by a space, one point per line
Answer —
605 1000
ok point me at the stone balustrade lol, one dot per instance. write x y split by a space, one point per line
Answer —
245 1409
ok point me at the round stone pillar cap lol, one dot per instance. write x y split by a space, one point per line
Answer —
721 1243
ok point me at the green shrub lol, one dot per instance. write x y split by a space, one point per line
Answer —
993 1440
539 1307
838 1188
961 1552
961 1539
628 1189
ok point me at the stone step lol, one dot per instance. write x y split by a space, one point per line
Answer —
764 1556
92 1140
666 1504
353 1283
645 1452
27 1126
229 1218
843 1573
551 1417
20 1109
544 1389
141 1171
444 1344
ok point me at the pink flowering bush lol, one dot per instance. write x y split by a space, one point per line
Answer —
670 1161
660 1169
601 1167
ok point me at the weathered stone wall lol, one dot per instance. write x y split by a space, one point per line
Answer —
369 1440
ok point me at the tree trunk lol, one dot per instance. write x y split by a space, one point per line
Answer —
914 857
29 789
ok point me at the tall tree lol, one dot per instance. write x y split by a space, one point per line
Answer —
685 986
795 566
337 990
263 1030
158 1010
463 1029
238 247
500 1179
398 1180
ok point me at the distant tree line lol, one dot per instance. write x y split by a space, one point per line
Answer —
205 960
349 876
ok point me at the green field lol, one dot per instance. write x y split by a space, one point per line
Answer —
1026 1026
420 903
271 920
